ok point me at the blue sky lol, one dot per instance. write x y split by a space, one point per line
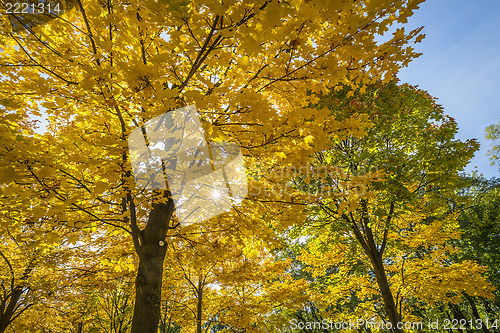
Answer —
460 66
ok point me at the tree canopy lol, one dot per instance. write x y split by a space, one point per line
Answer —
350 173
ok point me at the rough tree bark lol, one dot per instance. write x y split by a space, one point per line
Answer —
151 247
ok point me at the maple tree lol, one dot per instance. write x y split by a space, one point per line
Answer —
476 216
479 221
103 68
493 134
382 215
114 310
29 257
218 280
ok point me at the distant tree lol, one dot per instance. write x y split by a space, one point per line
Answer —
480 222
493 134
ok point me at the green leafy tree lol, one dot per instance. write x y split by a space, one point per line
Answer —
381 229
493 134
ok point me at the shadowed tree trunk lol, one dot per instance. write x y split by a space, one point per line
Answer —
475 312
364 235
9 307
383 284
11 301
199 309
150 246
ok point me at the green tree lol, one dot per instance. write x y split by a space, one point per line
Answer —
481 231
493 134
381 215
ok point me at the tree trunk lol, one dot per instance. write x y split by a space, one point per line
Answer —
376 254
199 309
475 312
458 315
383 284
151 247
6 316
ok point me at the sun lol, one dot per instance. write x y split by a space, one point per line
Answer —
216 195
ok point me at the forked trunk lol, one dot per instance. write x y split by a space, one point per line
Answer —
151 247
